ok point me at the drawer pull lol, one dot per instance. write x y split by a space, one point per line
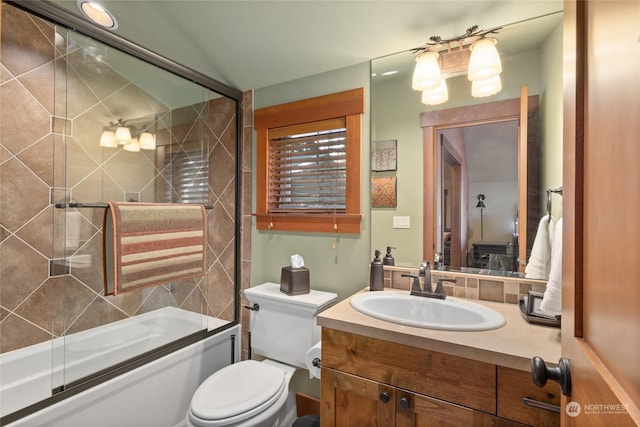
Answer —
541 405
384 397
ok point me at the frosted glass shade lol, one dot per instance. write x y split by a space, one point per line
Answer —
436 96
488 87
123 135
426 75
108 139
485 61
147 141
133 146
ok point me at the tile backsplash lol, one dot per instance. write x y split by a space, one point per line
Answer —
473 286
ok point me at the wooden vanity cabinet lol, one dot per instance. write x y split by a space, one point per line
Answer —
515 387
349 400
371 382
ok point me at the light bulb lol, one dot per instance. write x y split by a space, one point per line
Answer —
108 139
488 87
123 135
485 61
426 75
133 146
436 96
147 141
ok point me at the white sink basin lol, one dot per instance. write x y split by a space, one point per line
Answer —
451 314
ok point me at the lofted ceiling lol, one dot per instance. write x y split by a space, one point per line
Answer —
255 44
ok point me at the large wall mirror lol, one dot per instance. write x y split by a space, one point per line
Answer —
460 167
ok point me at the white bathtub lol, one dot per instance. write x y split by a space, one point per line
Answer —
156 394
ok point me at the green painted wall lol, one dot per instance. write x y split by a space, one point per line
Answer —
343 270
551 104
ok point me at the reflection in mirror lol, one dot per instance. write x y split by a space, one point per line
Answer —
492 193
531 54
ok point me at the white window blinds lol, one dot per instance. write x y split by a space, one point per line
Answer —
307 171
188 177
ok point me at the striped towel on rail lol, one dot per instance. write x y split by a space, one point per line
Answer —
148 244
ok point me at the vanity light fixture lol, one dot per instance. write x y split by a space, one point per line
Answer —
97 14
472 53
129 137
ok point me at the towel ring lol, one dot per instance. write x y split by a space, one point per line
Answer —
549 191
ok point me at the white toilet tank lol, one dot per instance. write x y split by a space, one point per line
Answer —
284 327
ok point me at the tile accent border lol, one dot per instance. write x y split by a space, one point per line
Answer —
507 290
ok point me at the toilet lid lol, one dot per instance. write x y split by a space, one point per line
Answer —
242 388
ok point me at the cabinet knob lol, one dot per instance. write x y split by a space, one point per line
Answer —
561 374
384 397
404 403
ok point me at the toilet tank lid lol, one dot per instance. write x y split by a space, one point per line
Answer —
315 300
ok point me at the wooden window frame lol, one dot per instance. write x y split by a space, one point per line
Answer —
348 105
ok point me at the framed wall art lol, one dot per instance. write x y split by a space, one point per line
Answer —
383 192
384 155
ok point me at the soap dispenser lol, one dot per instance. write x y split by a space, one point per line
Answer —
376 276
388 258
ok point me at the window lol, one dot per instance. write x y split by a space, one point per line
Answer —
308 171
187 175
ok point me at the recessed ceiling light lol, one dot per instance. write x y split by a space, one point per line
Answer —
98 14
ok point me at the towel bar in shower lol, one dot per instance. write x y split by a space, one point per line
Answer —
97 205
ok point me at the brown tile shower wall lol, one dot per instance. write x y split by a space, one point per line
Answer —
42 157
246 167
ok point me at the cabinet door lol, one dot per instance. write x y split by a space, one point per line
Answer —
348 400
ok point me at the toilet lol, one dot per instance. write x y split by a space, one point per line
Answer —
257 393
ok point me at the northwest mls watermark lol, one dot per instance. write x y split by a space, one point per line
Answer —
573 409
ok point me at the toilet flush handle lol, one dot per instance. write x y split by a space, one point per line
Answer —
254 307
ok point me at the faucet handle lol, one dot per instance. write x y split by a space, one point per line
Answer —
440 288
415 283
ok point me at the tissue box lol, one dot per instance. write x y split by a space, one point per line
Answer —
294 281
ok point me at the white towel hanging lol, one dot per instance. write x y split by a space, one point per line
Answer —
552 299
540 260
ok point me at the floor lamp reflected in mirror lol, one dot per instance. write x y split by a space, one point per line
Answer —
481 206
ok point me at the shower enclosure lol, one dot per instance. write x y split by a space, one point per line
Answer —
85 123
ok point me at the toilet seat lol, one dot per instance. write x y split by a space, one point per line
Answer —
237 392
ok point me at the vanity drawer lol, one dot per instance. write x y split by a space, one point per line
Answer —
514 386
451 378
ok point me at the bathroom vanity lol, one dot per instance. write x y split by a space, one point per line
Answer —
379 373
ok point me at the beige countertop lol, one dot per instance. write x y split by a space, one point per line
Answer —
512 345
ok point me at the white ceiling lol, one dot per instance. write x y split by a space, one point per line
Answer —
255 44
